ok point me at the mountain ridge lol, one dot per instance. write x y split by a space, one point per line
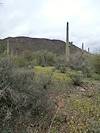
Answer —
23 43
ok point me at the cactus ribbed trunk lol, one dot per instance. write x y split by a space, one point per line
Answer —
8 47
67 44
82 48
88 50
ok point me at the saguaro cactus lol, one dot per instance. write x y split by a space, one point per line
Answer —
67 43
82 47
8 47
88 50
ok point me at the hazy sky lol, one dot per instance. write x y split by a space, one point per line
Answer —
47 19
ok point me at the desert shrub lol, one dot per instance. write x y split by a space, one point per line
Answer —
20 61
60 64
3 48
52 80
44 58
27 55
41 58
76 77
23 100
21 79
43 80
96 76
6 67
95 61
86 66
81 62
90 66
61 68
24 82
53 77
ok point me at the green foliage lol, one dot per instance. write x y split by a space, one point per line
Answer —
2 48
51 80
57 79
61 68
76 77
96 76
87 112
39 58
44 58
29 97
61 77
20 61
22 97
6 67
82 63
80 113
95 61
46 70
86 67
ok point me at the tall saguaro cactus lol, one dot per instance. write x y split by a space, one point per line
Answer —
67 43
82 48
88 50
8 47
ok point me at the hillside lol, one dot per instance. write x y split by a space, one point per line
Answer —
40 93
20 44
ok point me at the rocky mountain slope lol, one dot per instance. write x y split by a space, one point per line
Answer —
18 45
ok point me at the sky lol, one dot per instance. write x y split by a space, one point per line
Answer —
47 19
